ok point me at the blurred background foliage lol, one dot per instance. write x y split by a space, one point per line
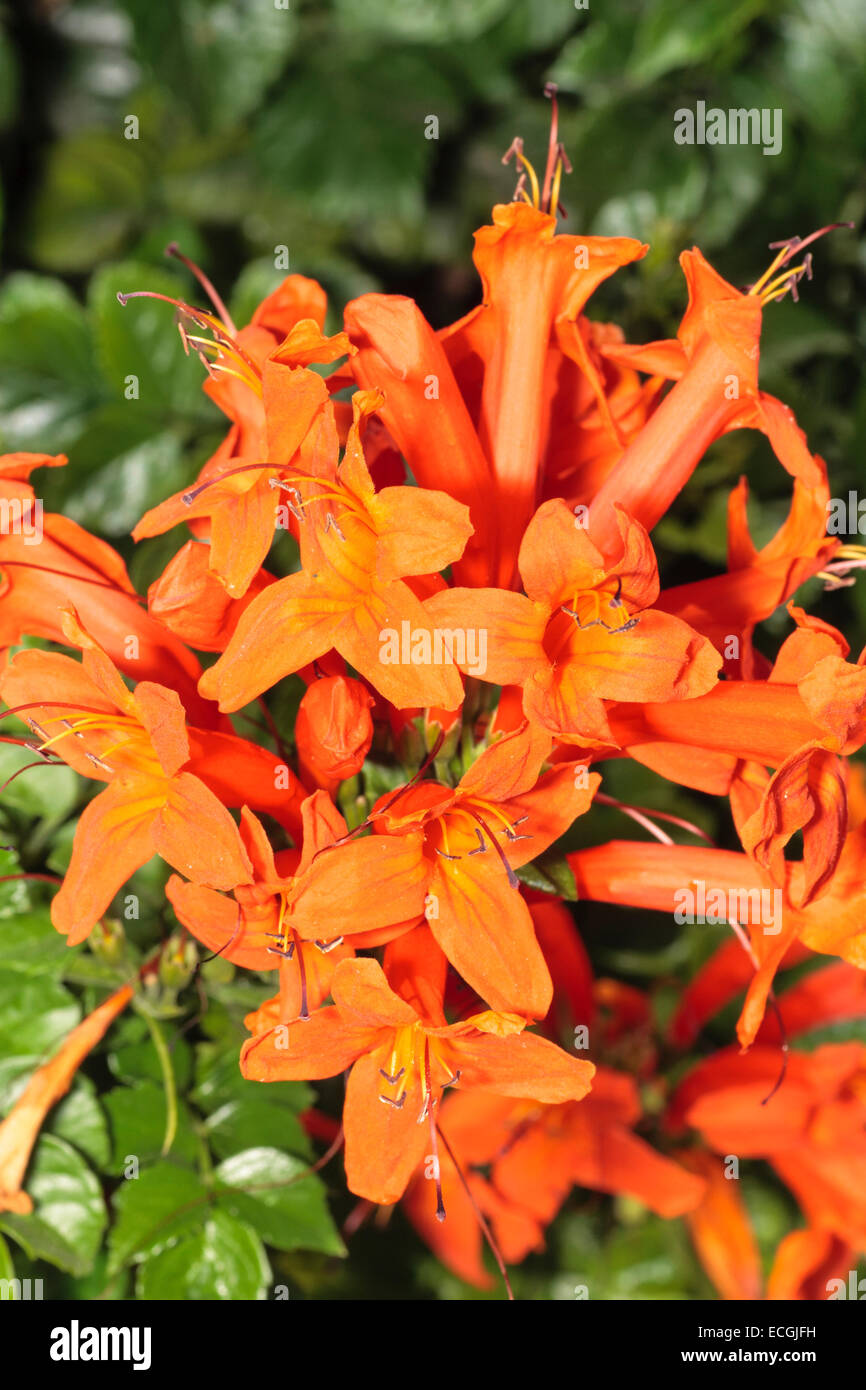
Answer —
259 128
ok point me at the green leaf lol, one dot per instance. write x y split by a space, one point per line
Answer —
218 1080
137 1120
80 1120
69 1213
36 1014
43 791
672 36
138 1061
153 1212
92 190
424 21
30 945
7 1268
249 1120
219 56
113 498
47 376
225 1260
288 1210
141 340
550 873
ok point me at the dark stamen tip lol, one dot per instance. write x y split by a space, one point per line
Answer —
122 298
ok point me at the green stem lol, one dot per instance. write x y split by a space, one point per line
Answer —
168 1082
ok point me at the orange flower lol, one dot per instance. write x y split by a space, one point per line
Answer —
721 1231
398 353
20 1129
758 581
812 1129
166 785
235 492
356 546
499 817
298 904
193 604
585 632
535 1154
714 362
535 285
70 566
402 1055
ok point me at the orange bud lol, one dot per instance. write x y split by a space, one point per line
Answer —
20 1130
334 730
192 602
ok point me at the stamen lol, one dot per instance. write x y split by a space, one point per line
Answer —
430 1109
302 971
767 288
216 300
512 877
326 946
392 1080
516 149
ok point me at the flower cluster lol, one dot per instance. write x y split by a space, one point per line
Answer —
476 613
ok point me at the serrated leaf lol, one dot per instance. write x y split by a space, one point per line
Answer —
80 1120
36 1014
137 1122
69 1213
250 1120
225 1260
153 1212
281 1200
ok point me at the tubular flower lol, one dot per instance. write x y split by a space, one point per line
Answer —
585 631
235 495
20 1129
812 1130
357 546
534 286
469 842
714 361
163 786
308 898
402 1058
193 604
43 572
469 655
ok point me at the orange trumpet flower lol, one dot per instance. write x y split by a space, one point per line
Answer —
357 545
402 1055
20 1129
165 783
585 631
